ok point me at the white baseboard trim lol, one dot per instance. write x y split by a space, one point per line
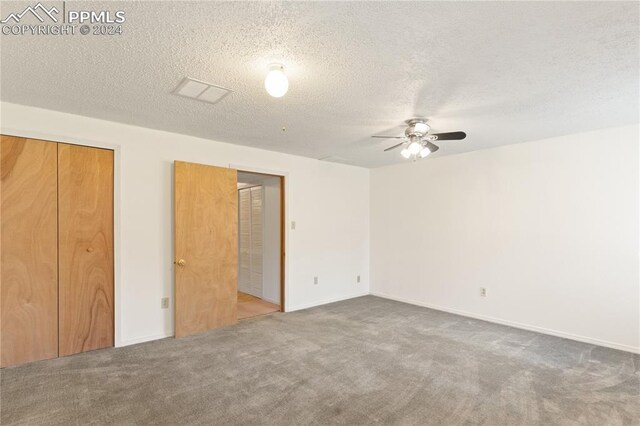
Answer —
551 332
143 339
275 302
164 335
324 302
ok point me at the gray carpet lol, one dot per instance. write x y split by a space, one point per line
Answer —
361 361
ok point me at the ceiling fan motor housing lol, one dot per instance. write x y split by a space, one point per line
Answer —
417 127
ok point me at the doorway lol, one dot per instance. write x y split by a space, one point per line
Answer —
260 249
207 249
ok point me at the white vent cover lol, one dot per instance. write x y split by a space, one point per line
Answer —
201 91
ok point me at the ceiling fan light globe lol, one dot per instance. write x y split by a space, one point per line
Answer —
424 152
414 147
405 153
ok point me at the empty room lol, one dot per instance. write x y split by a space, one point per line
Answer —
320 213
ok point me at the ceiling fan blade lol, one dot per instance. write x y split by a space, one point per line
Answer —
450 136
388 137
432 147
394 147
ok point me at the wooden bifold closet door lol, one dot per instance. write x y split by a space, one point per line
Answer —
28 251
85 226
56 249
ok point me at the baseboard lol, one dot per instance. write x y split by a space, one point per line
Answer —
325 301
143 339
275 302
164 335
515 324
149 338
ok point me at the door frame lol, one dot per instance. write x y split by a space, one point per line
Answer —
284 234
117 281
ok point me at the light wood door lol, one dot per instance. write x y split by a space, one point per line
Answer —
28 251
206 239
85 203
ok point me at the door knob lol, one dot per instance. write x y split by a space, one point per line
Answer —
181 262
90 249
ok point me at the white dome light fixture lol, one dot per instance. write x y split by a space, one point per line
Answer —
276 82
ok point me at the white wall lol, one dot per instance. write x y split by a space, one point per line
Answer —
550 228
329 202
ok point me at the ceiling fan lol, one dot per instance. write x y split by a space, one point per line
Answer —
417 142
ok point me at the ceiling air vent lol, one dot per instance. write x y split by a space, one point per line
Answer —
201 91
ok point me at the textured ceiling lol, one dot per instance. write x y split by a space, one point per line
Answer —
502 72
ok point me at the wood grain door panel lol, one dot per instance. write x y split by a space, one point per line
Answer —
85 203
206 237
28 251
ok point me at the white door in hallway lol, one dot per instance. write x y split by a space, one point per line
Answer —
251 240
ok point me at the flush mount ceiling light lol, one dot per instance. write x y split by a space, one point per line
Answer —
201 91
417 142
276 83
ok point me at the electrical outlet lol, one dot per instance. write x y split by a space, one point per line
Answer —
483 292
293 225
315 280
164 303
358 279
